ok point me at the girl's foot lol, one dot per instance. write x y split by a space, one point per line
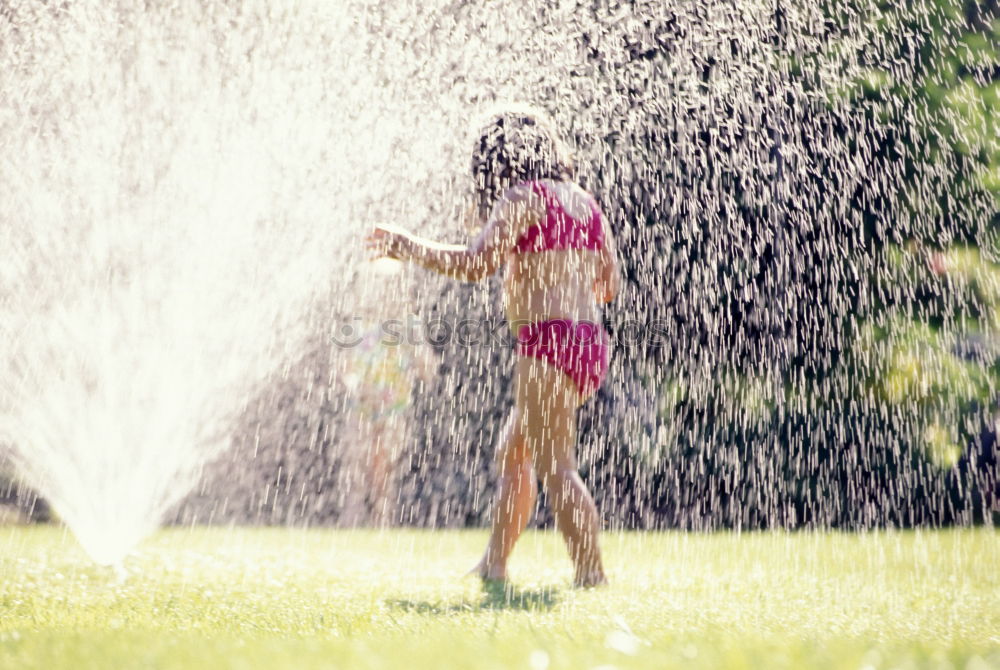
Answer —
590 580
489 573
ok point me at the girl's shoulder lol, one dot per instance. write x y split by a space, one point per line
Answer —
564 189
568 195
540 194
520 201
523 192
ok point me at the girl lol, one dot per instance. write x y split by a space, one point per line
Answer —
560 266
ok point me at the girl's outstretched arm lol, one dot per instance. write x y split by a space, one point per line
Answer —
516 211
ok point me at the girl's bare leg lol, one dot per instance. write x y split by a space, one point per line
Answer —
514 504
547 400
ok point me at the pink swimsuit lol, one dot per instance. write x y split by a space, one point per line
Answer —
578 348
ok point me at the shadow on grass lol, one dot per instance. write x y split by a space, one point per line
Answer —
496 596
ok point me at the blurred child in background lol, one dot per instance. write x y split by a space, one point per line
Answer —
381 367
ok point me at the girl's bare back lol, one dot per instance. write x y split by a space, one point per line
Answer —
554 284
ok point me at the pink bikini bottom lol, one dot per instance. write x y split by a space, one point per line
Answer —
578 348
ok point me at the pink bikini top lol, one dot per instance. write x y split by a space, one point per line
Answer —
559 230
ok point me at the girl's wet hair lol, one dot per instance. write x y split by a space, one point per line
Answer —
515 147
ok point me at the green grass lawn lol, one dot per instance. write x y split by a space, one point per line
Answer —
273 598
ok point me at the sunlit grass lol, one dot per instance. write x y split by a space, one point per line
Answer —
209 598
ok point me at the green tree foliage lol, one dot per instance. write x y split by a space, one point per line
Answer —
894 421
